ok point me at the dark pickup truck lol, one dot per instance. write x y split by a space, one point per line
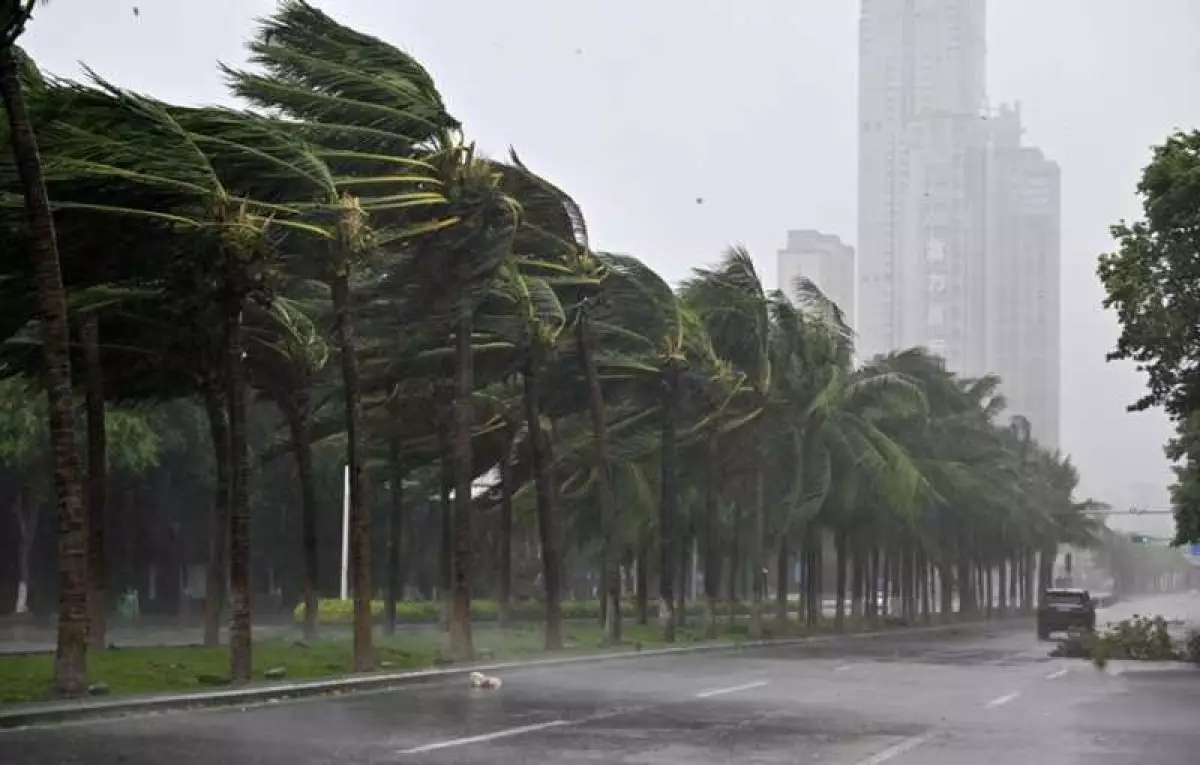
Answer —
1064 609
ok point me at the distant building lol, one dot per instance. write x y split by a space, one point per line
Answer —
1023 282
826 261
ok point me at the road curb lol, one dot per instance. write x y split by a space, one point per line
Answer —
51 712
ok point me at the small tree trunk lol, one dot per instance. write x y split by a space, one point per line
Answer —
97 476
547 513
70 658
25 508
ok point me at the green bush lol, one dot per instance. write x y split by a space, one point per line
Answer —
341 612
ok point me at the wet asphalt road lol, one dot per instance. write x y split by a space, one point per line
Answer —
975 694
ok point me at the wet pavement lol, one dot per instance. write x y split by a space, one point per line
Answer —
972 694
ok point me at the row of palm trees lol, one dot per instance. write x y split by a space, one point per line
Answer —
213 253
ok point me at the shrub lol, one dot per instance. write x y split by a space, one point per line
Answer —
1191 648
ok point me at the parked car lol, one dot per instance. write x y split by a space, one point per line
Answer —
1064 609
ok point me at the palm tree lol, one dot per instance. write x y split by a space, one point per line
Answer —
368 107
285 352
70 664
733 306
657 345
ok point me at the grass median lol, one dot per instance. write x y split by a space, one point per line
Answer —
123 671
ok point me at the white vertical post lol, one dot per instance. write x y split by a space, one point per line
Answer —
346 534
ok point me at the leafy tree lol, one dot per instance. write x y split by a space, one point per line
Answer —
1153 282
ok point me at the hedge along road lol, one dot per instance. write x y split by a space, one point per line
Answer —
19 636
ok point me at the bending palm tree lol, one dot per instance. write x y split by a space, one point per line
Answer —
70 663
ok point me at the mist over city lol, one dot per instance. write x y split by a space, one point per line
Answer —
376 373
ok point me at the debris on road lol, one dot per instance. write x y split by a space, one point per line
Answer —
480 680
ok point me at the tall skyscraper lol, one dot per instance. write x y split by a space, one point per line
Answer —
1024 252
958 244
826 261
922 139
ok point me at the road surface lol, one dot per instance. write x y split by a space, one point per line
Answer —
976 694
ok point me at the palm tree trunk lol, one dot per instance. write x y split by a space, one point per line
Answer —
446 538
547 513
609 511
641 584
506 529
813 580
924 572
735 561
782 558
296 410
966 591
858 581
462 647
712 542
70 659
1002 585
839 619
360 518
218 527
97 476
239 515
758 560
1014 575
873 583
395 537
667 509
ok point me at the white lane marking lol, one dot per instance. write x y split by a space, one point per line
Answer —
897 749
733 689
505 733
1002 700
1058 674
843 667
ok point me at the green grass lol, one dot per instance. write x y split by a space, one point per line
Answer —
27 677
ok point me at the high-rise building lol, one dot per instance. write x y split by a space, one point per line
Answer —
1022 313
958 243
826 261
922 155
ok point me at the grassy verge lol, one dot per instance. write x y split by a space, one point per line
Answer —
27 677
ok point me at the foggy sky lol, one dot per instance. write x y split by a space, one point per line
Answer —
638 107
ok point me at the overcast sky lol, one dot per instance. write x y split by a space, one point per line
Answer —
639 107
